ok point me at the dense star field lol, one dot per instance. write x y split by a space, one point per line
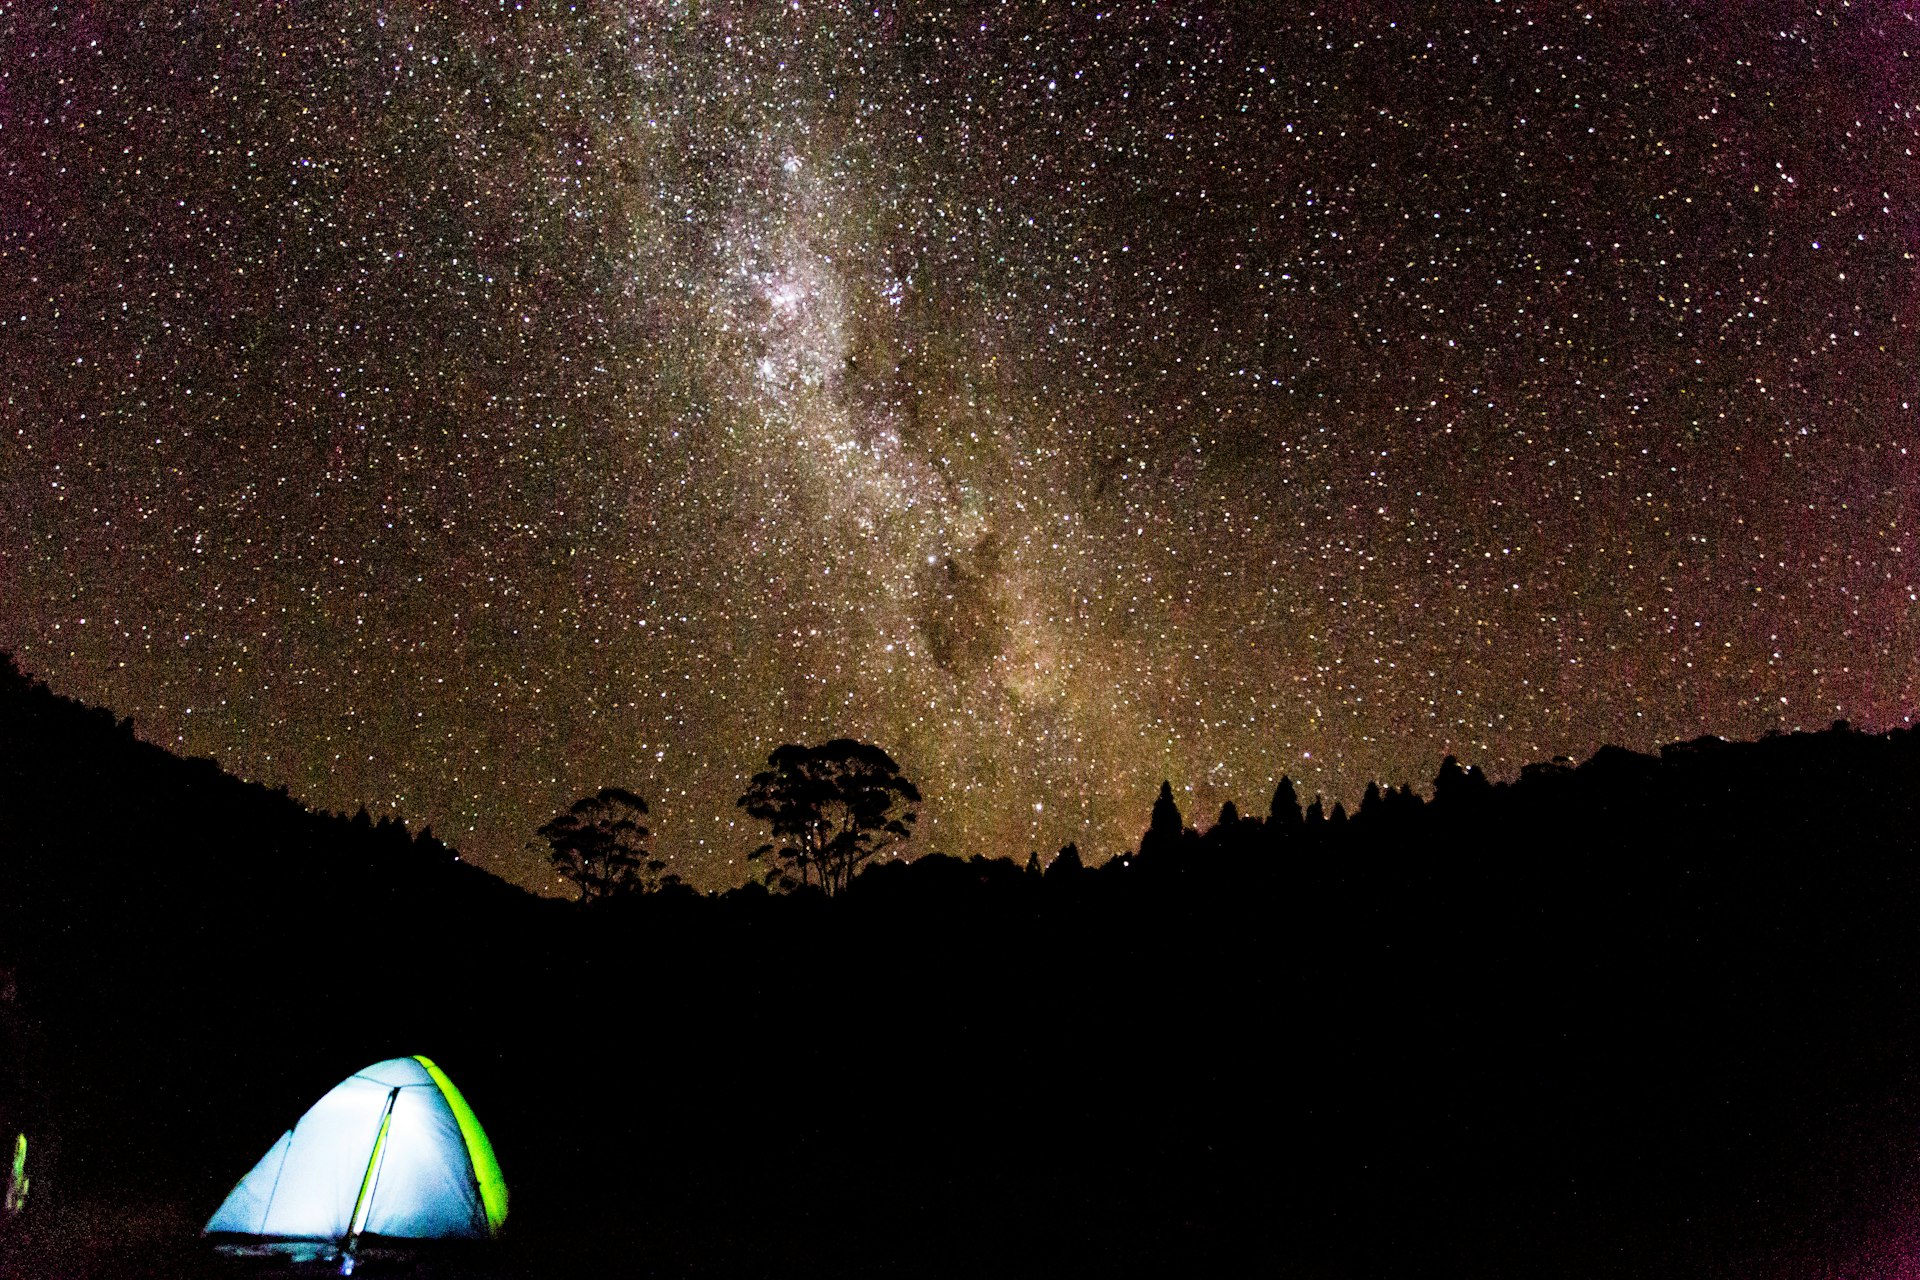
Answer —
456 409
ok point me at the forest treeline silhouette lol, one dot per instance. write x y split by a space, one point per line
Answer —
835 807
1641 1014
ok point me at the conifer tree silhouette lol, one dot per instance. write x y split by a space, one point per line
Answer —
1284 810
1163 830
1372 804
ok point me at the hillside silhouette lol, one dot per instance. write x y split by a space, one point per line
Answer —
1639 1015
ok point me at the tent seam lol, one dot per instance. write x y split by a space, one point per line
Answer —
268 1211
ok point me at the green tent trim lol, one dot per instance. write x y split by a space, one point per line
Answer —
486 1166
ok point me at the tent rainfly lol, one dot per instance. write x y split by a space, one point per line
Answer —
391 1151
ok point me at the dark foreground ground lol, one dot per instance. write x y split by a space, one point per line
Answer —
1434 1088
1643 1017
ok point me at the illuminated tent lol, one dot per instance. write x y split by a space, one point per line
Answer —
392 1151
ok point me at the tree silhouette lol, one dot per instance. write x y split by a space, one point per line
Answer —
1404 804
600 846
1163 829
832 808
1284 811
1065 863
1234 835
1457 788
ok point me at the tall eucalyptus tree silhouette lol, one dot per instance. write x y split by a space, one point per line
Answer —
831 808
599 846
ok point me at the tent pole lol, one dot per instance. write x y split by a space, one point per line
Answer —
363 1202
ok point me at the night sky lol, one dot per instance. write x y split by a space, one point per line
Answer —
458 408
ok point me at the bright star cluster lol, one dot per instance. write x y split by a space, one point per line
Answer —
455 409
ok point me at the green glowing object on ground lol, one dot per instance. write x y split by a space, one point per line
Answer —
17 1179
